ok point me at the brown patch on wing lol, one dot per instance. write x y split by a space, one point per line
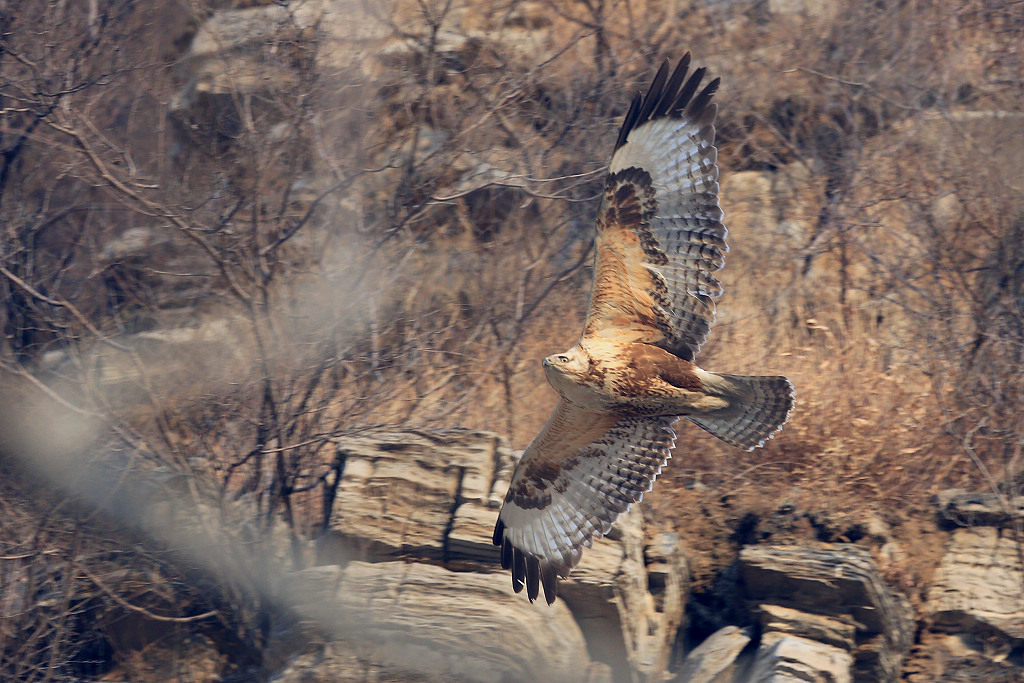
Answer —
600 481
643 364
567 431
543 469
529 494
674 370
627 295
531 491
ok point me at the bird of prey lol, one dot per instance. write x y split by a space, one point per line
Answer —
631 375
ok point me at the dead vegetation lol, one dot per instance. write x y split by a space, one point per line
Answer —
400 243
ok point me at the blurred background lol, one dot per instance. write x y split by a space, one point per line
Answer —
237 234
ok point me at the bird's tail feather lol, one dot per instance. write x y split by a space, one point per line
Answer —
759 406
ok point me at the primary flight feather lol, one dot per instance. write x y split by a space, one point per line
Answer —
630 376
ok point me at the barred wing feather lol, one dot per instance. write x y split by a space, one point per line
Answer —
581 472
660 236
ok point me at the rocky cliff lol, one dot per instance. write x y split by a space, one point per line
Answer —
236 233
408 557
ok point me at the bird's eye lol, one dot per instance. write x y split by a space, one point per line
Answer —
563 359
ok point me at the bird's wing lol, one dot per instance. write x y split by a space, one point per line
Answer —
660 236
581 472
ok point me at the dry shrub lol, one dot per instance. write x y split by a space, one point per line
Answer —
820 285
872 258
875 260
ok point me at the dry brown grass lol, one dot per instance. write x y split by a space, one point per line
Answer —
875 256
845 276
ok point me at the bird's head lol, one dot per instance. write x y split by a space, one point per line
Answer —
573 363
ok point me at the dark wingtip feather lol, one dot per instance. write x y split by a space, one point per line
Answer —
532 577
700 106
630 121
506 554
654 93
686 93
670 96
549 578
672 86
527 570
518 570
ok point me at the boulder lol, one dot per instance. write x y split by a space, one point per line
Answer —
976 597
622 616
790 622
792 659
803 9
420 619
238 51
773 216
421 495
204 356
833 595
978 589
432 497
993 139
715 659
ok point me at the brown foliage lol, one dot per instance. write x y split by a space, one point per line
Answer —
401 243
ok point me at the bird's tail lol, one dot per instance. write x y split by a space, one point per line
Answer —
758 407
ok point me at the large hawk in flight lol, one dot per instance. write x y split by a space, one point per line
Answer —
631 375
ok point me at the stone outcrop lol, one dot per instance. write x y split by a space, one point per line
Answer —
419 495
204 356
408 546
407 501
833 597
977 592
228 55
408 587
716 659
990 138
825 615
784 659
422 619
